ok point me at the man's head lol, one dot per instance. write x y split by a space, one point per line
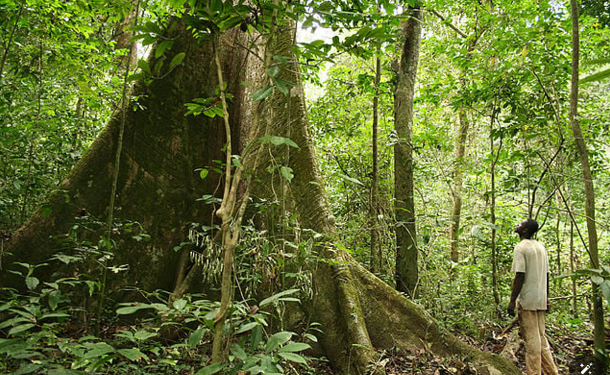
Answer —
527 228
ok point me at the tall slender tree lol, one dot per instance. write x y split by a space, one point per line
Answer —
407 273
581 146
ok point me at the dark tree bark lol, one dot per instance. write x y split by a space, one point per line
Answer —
359 313
407 274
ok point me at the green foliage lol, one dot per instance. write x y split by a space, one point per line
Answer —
37 333
601 75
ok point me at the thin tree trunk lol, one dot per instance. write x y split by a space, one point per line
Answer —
9 41
376 255
574 295
460 149
558 281
407 274
598 311
494 250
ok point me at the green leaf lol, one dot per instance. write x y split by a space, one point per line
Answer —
236 161
164 45
27 368
277 141
46 211
277 339
281 85
181 303
596 77
273 71
246 327
158 66
256 337
177 4
31 282
143 335
277 296
203 173
134 77
281 59
239 352
211 369
216 6
605 289
262 93
293 357
133 354
13 321
287 173
6 344
177 60
196 336
65 371
294 347
97 349
142 64
351 179
55 315
132 309
597 279
20 328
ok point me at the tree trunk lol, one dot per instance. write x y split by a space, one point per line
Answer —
460 149
376 254
598 309
157 184
359 313
492 210
407 274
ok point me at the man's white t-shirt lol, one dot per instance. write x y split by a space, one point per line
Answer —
530 257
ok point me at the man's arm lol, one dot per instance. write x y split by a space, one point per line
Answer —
517 286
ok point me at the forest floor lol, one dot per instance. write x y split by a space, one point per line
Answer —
572 355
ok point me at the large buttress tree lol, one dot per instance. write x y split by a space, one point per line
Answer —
158 186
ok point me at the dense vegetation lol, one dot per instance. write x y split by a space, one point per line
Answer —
492 77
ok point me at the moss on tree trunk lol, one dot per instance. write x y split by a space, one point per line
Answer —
158 183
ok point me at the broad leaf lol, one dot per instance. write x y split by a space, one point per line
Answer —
20 328
277 296
211 369
293 357
294 347
277 339
133 354
246 327
177 60
262 93
98 349
277 141
196 336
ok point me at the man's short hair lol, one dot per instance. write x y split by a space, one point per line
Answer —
531 225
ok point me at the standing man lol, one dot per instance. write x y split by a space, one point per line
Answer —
530 293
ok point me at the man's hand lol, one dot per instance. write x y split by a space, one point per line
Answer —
511 308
